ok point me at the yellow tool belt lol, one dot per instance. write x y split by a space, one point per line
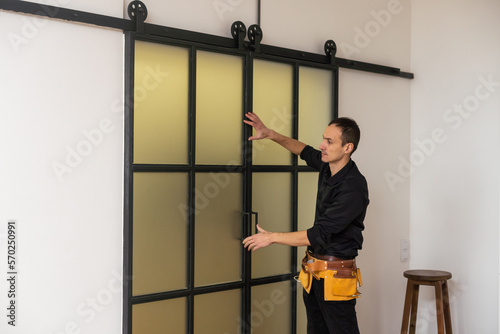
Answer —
341 277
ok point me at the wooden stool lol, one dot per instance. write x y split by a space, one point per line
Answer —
427 277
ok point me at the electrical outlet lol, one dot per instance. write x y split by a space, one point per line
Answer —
404 250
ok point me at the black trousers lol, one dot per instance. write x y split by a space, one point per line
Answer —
329 317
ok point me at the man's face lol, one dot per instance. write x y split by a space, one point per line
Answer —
331 148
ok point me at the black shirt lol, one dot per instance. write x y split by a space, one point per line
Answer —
340 208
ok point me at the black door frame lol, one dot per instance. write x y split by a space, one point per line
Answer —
247 169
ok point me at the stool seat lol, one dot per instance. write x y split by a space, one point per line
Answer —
427 275
436 278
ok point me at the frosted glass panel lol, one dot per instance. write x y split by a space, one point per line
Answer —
168 316
219 104
315 105
271 308
160 232
301 311
161 104
306 200
273 102
217 312
218 228
272 199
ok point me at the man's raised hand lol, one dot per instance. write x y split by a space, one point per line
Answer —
261 131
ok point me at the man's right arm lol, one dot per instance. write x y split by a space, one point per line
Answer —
262 132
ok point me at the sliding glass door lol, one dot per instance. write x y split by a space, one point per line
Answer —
196 186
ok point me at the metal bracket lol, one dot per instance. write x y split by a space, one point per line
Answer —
238 31
255 36
138 13
331 50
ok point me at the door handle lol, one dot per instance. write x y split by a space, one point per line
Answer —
256 214
250 215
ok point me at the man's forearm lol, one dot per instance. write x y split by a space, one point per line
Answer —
290 144
264 238
296 239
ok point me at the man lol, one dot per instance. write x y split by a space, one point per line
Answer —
336 235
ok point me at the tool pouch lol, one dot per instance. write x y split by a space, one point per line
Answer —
342 283
305 279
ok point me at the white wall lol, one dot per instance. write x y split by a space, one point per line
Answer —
387 221
61 89
455 183
381 105
210 17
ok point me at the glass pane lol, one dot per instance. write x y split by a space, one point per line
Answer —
219 109
273 103
271 308
217 312
160 232
306 207
315 104
218 228
301 311
161 104
272 200
306 202
168 316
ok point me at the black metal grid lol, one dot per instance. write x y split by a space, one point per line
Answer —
247 169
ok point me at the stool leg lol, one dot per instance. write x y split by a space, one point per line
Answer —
439 306
446 302
414 308
407 305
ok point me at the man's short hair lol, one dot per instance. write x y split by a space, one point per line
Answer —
350 131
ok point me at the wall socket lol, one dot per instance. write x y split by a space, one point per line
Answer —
404 250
